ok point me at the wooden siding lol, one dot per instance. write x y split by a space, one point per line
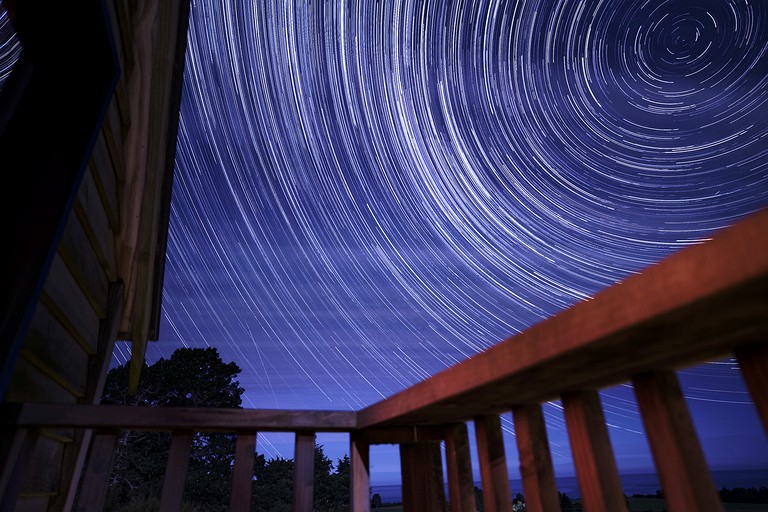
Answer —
114 217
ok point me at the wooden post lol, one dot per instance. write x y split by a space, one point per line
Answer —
422 475
15 451
94 487
461 486
753 360
360 479
592 452
679 459
98 365
497 496
303 471
176 470
242 474
535 459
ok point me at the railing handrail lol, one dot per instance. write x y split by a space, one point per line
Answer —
128 417
698 304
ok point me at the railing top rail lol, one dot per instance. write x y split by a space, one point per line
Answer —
697 304
173 418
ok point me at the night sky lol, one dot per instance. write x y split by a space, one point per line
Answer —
369 192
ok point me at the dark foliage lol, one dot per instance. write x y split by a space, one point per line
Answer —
189 378
751 495
273 486
566 504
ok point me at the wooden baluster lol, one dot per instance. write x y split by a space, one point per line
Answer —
535 459
15 451
176 471
461 486
753 360
592 452
242 474
94 487
422 476
303 471
676 450
360 479
497 496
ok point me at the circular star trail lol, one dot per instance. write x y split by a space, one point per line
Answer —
368 192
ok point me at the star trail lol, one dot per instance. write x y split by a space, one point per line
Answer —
368 192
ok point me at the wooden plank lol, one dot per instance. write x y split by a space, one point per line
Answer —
753 360
178 418
705 300
67 301
103 173
360 477
16 448
535 459
93 489
461 486
497 496
242 474
303 472
81 260
28 383
592 452
52 347
176 471
93 217
422 477
675 446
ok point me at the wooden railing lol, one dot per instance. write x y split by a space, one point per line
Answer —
705 302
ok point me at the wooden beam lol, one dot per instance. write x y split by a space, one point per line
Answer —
174 418
176 471
461 485
679 459
592 452
304 472
242 474
497 496
93 489
16 448
535 459
360 478
753 360
706 300
422 476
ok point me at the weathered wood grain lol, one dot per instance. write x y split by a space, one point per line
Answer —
593 458
422 477
493 464
535 459
176 471
242 473
697 304
303 472
360 478
675 446
461 485
94 487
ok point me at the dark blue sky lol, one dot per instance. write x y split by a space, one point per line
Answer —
368 192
